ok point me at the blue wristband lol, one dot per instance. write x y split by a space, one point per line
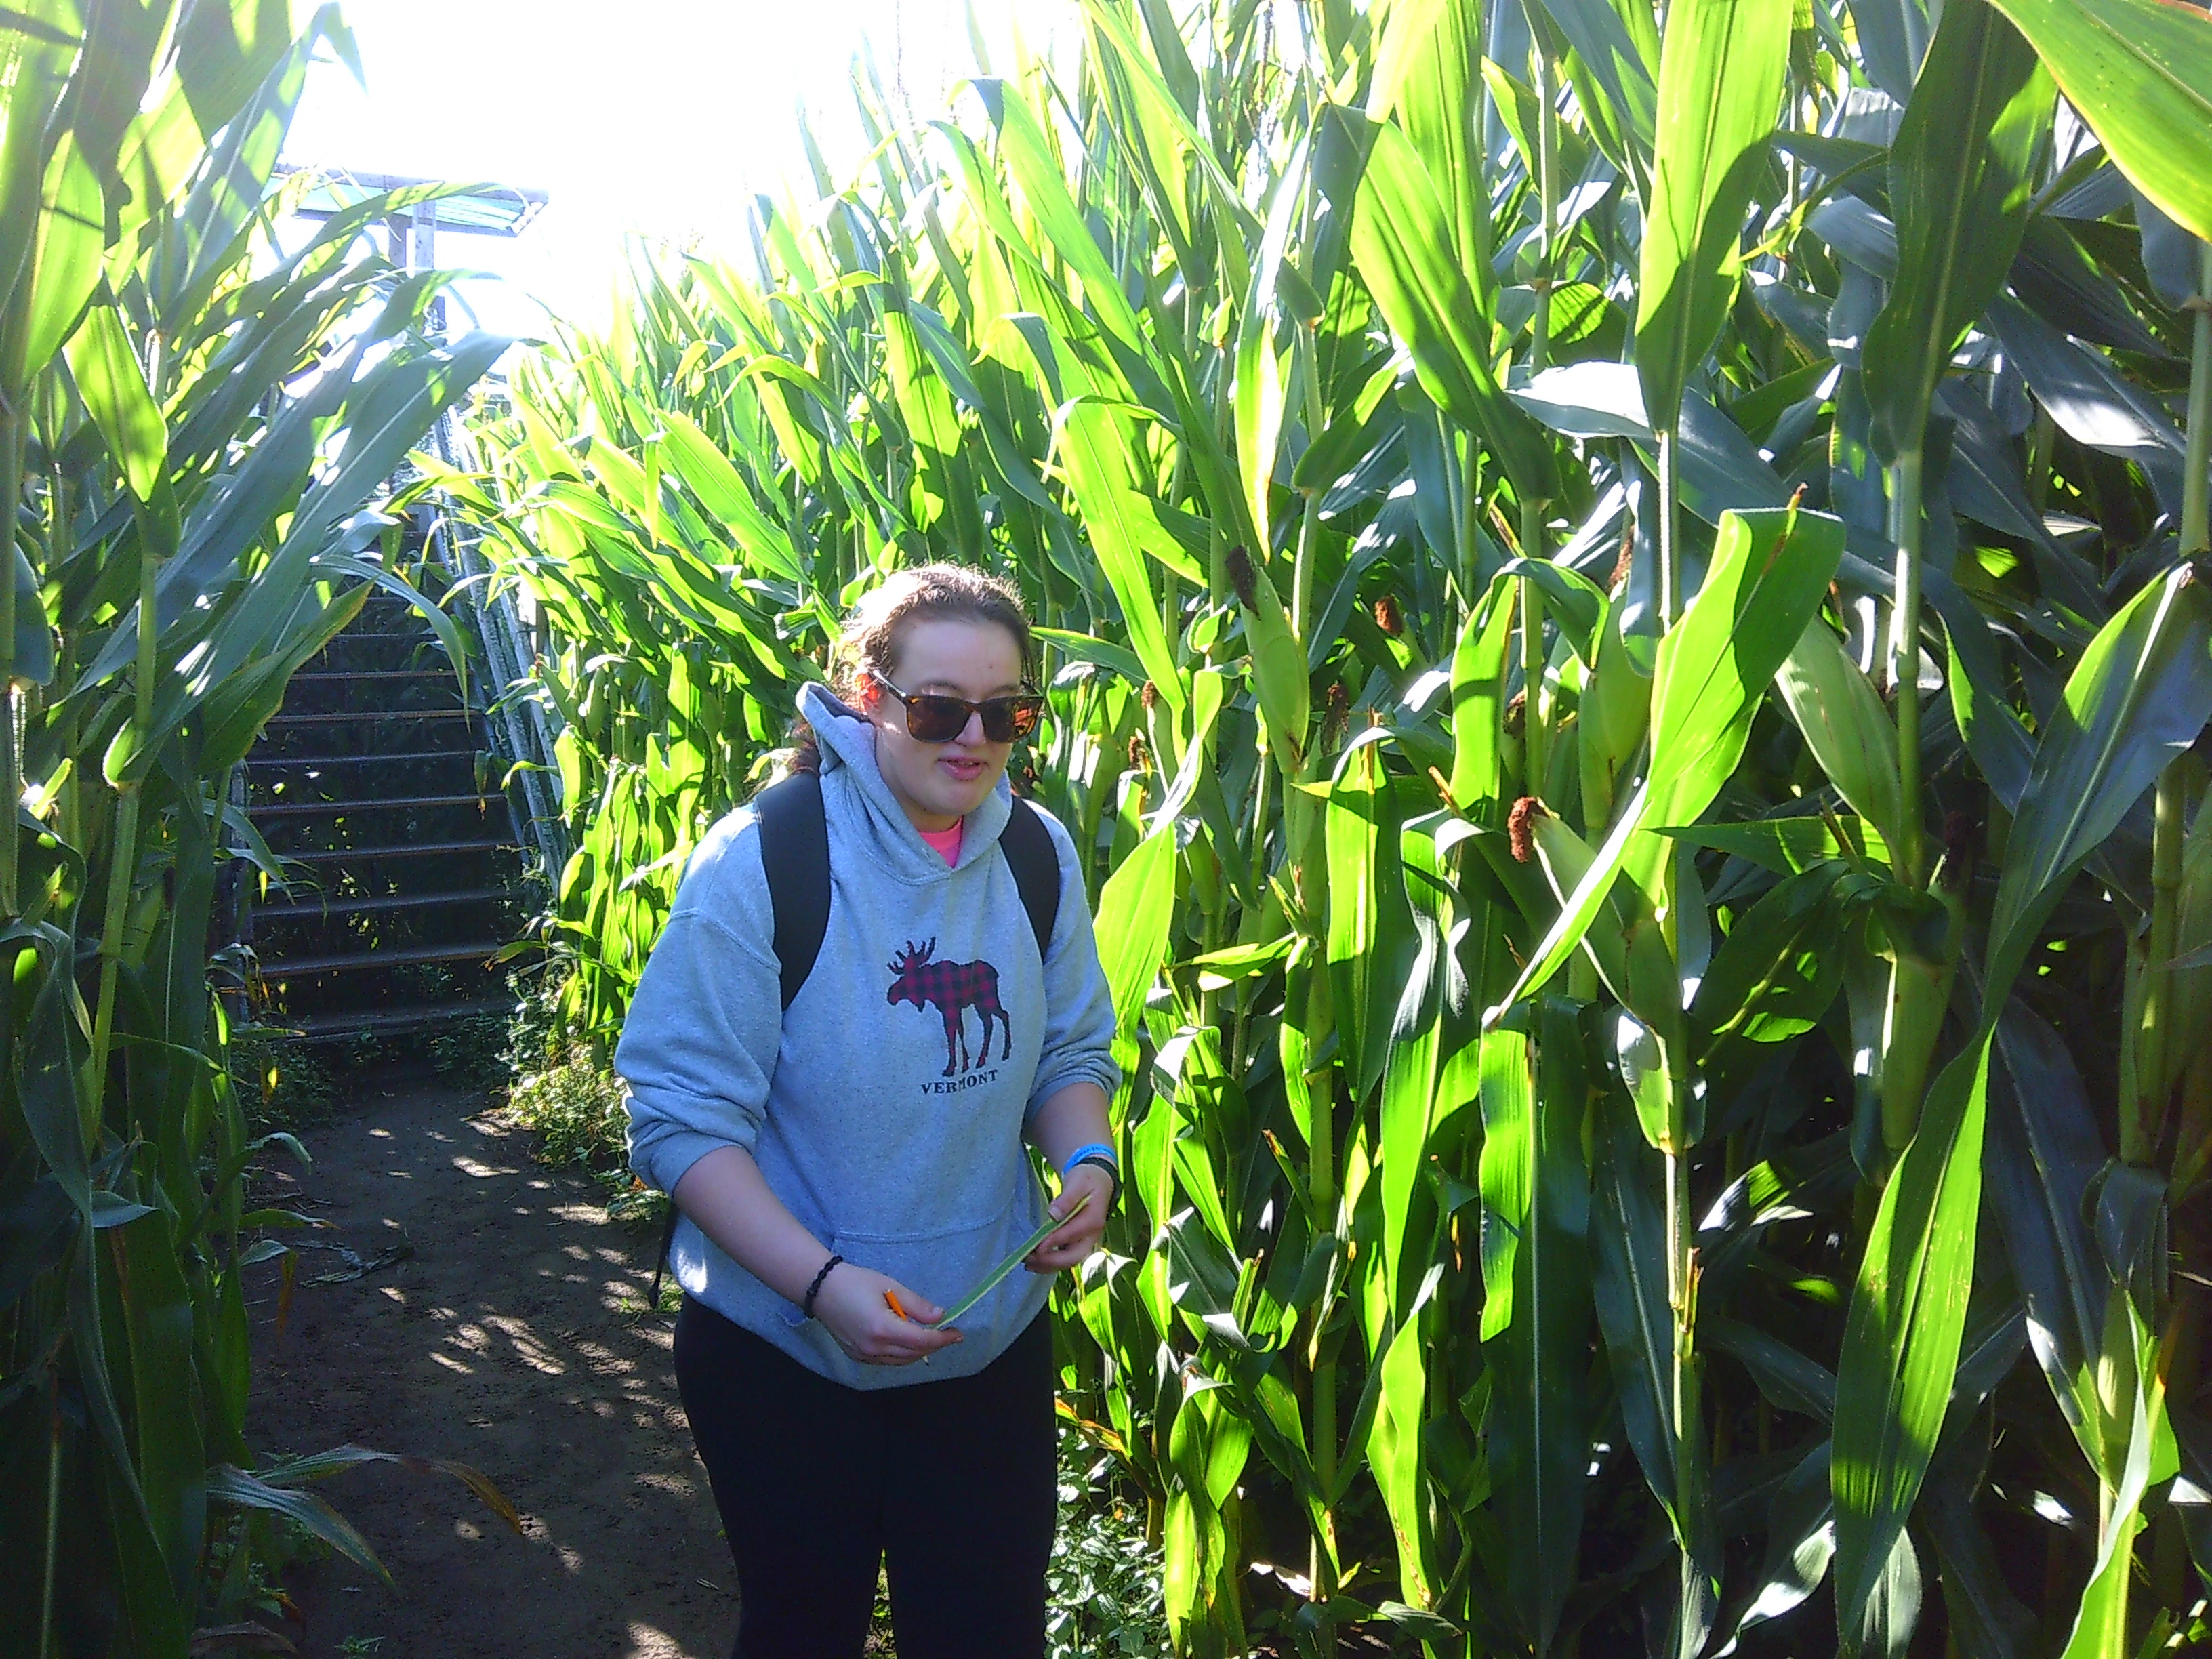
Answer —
1098 1149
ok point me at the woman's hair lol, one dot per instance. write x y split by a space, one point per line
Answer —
870 641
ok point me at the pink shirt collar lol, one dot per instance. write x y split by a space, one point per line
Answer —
946 842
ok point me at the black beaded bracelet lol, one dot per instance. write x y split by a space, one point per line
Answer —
807 1306
1113 1174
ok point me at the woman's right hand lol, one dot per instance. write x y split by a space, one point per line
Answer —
852 1307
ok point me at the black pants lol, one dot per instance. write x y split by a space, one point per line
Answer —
949 1486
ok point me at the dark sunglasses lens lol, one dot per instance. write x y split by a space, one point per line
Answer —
1007 719
935 720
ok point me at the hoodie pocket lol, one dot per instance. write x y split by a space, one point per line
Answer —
944 1266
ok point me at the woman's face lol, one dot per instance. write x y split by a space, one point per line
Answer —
940 782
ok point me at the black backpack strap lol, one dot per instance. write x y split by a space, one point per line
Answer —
1036 863
794 844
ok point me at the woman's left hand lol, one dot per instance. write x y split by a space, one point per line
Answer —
1065 1246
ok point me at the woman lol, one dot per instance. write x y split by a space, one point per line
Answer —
846 1168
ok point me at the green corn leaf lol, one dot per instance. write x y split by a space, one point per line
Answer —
158 1329
150 1618
2101 1624
1893 1609
235 1489
1093 450
1134 908
1409 1107
1611 71
1721 65
1779 969
1168 127
1614 716
1394 1445
48 1092
1625 942
235 711
113 388
1960 178
35 59
919 390
1037 171
1478 702
1900 1348
2044 1154
1537 1191
1508 1167
434 615
224 53
1401 240
1769 568
1800 1541
387 413
1788 1380
2139 696
2140 72
1628 1257
1428 77
1081 647
34 661
2000 744
1279 673
1369 925
1844 725
707 473
1261 380
64 266
1788 845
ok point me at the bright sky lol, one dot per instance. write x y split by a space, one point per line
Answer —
660 117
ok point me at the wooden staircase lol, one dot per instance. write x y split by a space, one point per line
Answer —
378 787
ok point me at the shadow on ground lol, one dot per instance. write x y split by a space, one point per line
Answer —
515 1338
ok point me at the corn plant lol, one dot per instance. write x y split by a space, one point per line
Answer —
1627 641
194 425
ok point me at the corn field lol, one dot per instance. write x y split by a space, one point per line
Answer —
196 429
1627 626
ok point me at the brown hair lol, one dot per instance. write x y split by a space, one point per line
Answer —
869 642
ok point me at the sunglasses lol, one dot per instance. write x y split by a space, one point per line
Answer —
931 718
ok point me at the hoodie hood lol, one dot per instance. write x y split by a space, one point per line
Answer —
847 740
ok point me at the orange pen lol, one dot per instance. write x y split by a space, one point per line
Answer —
894 1302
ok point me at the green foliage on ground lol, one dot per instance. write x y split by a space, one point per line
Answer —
1103 1596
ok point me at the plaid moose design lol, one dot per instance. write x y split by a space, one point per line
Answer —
952 987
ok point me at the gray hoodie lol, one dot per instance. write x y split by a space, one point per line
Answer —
885 1108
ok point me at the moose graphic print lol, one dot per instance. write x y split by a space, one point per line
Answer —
952 987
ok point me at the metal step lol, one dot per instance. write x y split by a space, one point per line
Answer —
425 642
315 909
356 760
333 962
289 809
408 849
371 716
334 676
324 1028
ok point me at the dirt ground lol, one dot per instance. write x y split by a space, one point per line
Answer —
513 1339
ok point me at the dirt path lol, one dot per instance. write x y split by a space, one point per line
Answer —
511 1340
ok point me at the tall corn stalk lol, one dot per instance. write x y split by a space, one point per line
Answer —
1424 440
183 531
